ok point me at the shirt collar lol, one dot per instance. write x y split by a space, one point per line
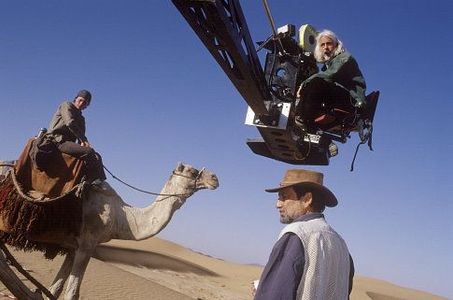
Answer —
309 216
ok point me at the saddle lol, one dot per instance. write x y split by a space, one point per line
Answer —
38 207
62 174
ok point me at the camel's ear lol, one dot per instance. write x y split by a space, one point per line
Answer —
180 167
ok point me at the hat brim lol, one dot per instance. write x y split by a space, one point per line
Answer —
329 198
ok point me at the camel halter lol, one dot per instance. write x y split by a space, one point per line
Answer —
159 194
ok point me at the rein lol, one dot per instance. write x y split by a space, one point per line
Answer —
7 165
142 190
159 194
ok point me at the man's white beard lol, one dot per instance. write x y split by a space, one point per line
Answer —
327 57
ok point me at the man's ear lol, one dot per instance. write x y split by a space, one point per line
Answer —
307 199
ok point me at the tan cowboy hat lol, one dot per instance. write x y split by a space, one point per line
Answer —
310 179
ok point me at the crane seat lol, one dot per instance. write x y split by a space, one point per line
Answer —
331 116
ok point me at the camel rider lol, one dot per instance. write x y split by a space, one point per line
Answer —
67 129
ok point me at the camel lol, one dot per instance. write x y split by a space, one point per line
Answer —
106 216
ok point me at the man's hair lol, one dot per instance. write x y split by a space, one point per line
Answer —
85 95
317 204
339 48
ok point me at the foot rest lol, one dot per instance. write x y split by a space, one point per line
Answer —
334 114
324 119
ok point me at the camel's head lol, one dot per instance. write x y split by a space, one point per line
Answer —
198 180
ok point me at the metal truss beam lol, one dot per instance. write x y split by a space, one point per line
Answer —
221 26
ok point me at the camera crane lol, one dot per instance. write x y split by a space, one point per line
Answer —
271 93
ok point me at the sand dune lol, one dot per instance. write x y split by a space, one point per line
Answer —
102 281
162 270
373 289
149 260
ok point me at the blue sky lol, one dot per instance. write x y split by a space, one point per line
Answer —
160 98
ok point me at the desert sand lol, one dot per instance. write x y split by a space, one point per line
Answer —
162 270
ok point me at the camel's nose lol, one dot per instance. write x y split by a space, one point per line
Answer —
214 181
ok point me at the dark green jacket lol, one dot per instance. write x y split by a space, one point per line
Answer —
344 71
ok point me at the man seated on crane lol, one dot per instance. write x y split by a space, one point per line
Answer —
339 84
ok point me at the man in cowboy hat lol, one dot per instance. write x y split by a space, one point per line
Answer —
309 260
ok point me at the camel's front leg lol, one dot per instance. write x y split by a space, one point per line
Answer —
63 273
81 259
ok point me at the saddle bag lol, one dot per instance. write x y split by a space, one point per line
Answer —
43 151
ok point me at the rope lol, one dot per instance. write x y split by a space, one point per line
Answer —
355 155
7 165
19 268
78 189
7 296
364 137
153 193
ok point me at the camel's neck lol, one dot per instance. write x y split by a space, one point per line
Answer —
143 223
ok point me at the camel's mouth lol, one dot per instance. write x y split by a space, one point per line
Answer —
213 186
212 183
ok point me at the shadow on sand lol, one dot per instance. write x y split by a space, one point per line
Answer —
150 260
377 296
